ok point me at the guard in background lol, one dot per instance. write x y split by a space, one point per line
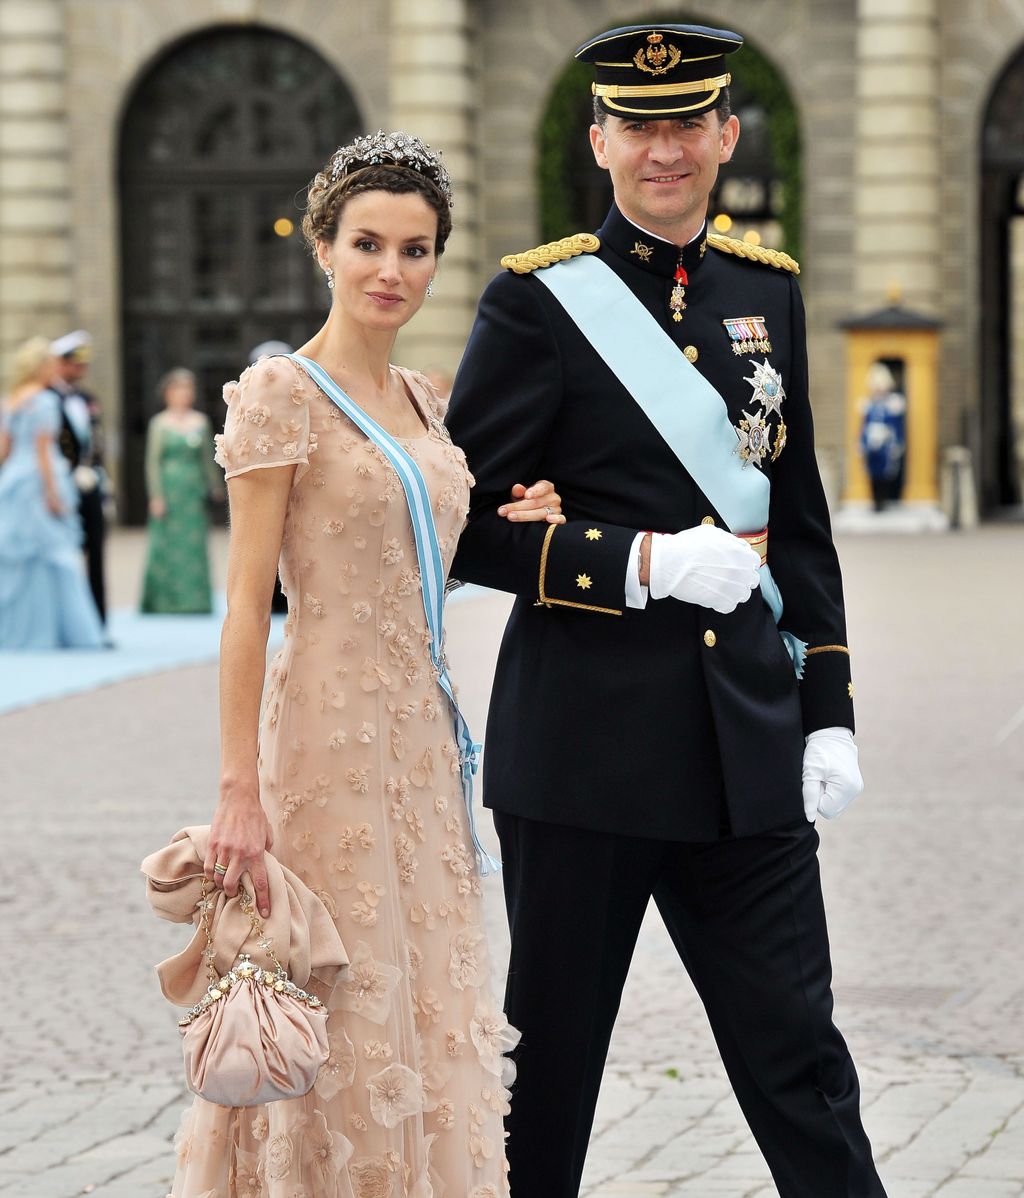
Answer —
81 442
883 435
672 706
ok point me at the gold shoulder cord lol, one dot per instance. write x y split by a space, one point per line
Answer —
545 601
550 253
754 253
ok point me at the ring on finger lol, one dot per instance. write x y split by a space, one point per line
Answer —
550 510
220 869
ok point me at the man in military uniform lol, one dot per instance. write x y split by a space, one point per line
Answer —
81 442
672 706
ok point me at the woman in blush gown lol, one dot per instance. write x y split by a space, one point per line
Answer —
44 599
351 769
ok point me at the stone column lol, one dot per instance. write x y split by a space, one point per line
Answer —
35 195
433 87
898 235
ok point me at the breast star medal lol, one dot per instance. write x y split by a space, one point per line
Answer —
753 431
767 386
753 435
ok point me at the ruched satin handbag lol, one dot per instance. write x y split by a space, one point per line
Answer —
254 1036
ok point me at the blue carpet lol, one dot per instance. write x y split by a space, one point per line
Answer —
142 645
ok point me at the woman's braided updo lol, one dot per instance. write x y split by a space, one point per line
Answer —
326 199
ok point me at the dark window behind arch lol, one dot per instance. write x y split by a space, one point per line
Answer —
218 143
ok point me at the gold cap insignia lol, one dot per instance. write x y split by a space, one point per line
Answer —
656 59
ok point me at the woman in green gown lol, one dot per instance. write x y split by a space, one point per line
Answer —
180 475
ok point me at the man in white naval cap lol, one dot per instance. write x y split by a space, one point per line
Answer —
81 442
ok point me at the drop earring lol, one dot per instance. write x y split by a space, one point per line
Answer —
430 288
329 272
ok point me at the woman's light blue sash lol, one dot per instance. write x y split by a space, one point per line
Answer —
691 416
431 573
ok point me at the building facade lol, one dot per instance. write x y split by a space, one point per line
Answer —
153 155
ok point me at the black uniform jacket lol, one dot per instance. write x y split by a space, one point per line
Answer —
659 722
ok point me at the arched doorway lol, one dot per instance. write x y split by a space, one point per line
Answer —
1001 452
218 142
758 194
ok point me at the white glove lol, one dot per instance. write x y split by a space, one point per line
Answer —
704 565
831 775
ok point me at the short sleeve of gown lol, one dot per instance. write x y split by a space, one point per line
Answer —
267 422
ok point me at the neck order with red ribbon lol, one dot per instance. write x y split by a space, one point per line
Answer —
677 300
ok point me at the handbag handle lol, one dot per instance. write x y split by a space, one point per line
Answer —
245 903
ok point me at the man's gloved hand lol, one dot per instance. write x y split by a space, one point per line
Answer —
703 565
831 775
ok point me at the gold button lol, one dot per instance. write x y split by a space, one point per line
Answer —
708 520
710 639
690 353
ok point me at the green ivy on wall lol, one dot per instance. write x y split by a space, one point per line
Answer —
564 123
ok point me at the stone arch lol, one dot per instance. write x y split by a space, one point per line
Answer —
219 138
1001 409
104 70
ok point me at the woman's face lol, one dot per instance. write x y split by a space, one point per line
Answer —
179 396
383 258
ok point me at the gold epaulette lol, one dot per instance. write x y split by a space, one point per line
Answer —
754 253
552 252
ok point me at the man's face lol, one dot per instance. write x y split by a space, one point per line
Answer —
663 171
71 370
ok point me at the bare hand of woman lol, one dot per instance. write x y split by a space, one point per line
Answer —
239 836
53 503
538 502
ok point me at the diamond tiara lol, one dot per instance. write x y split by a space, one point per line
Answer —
396 149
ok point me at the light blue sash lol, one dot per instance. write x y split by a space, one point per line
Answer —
431 572
683 406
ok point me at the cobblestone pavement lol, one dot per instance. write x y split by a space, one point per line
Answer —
922 880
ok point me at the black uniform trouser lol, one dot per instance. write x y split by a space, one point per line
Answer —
94 530
747 918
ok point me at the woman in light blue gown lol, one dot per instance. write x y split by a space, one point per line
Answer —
44 599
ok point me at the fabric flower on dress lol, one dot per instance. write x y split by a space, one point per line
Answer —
371 1177
337 739
414 958
333 528
427 1007
395 1094
367 732
263 444
405 856
279 1156
456 1042
359 780
468 955
422 773
258 414
374 676
325 1153
368 985
487 1191
481 1149
361 612
493 1036
392 552
249 1181
339 1070
435 1070
445 1114
377 1050
259 1127
183 1136
365 910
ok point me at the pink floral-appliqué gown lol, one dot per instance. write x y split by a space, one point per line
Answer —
360 777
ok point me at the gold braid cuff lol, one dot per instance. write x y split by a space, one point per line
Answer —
754 253
822 648
545 600
550 253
